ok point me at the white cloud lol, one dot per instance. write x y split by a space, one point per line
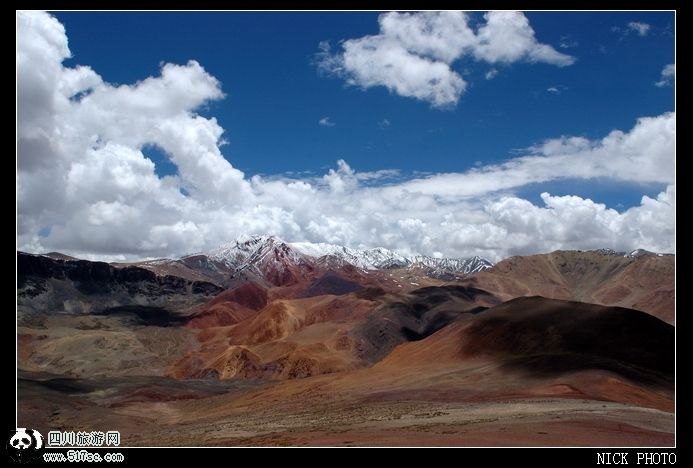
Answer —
571 222
384 123
77 155
568 43
441 36
643 155
380 61
641 29
413 53
668 76
507 37
557 89
634 27
491 74
84 186
326 122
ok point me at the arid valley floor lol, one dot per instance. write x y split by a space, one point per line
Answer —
562 349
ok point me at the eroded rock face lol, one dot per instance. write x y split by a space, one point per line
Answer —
46 284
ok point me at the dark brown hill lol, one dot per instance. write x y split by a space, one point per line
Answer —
546 336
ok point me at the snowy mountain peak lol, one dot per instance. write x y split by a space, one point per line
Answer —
632 254
381 258
366 259
609 252
251 251
638 253
464 265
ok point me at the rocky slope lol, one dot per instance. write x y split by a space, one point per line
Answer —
46 284
212 354
639 280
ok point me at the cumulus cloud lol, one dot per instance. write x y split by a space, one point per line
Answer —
85 187
645 154
571 222
79 148
326 122
377 61
507 37
413 53
668 76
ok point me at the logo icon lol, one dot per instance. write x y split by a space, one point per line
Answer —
23 440
23 444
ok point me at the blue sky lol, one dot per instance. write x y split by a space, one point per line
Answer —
275 97
601 77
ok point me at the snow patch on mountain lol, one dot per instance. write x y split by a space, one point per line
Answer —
380 258
247 252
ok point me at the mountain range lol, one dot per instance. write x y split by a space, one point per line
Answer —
208 348
268 258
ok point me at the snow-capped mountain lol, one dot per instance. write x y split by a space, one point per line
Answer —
381 258
270 259
608 252
366 259
466 266
642 253
250 250
266 257
260 253
632 254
